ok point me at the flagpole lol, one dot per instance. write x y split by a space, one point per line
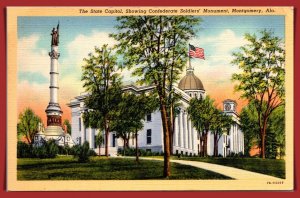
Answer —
189 58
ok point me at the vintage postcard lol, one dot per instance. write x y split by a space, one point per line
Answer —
150 98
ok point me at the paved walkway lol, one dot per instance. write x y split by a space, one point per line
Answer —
234 173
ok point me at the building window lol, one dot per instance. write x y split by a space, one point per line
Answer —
114 140
79 140
149 136
148 117
79 124
95 142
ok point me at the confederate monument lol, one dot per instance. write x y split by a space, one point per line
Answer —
54 128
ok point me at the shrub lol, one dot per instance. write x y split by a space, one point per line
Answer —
82 152
24 150
49 149
92 153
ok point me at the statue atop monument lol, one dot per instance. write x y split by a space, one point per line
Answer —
55 36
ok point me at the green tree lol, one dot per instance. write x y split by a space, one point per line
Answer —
250 127
28 125
103 83
99 141
221 124
277 127
202 113
156 47
68 126
131 114
275 145
262 78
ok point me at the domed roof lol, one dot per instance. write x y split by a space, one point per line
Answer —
190 82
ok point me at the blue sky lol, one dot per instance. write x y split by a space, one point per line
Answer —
218 35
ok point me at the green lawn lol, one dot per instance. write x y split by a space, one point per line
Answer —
273 167
67 168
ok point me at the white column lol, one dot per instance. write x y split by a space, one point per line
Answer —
231 138
91 137
176 132
83 137
181 129
54 76
190 135
186 130
193 138
235 137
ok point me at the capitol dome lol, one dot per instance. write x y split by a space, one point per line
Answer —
190 82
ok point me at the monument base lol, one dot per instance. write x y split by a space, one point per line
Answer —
54 133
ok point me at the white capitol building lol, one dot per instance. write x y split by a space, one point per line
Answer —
186 139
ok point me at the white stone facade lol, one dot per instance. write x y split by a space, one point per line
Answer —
186 140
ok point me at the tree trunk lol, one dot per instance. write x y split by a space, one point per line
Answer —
127 142
215 145
106 138
205 145
99 150
263 140
124 146
167 168
171 124
136 146
202 146
263 146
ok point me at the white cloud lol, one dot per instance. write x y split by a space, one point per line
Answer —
71 62
30 57
216 70
220 46
82 45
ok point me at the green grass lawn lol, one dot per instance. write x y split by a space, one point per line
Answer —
102 168
273 167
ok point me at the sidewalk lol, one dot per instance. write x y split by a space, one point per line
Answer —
234 173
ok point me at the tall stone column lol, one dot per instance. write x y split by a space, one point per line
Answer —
186 130
190 135
91 137
53 109
176 132
83 134
181 129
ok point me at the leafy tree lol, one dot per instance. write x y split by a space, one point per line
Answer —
250 127
221 124
28 125
262 78
68 126
131 114
277 127
156 47
202 114
103 84
275 131
99 141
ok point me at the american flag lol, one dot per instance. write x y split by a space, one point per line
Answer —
196 52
